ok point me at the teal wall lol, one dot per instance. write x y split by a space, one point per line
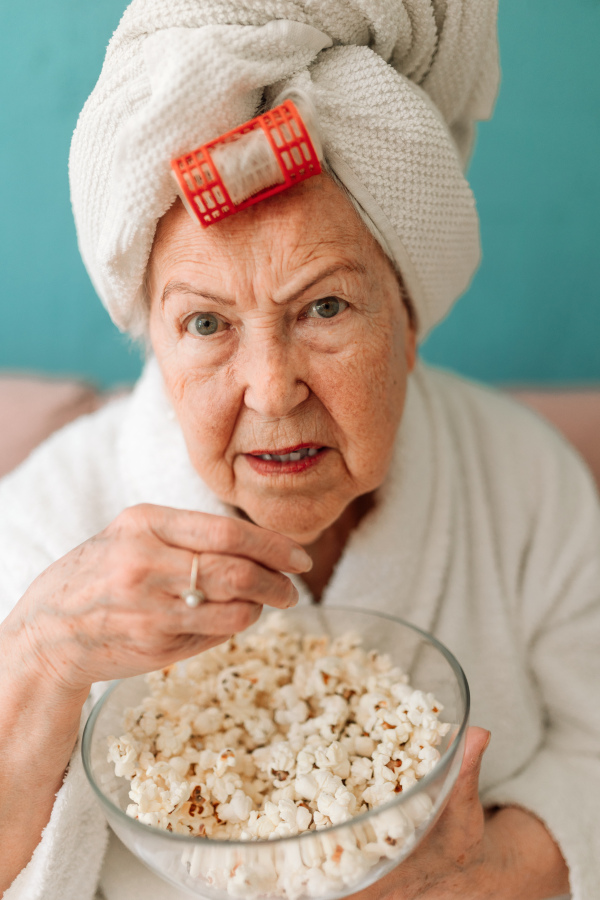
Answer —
533 311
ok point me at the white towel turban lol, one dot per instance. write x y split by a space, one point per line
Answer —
397 85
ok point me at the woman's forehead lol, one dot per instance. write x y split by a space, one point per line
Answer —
309 223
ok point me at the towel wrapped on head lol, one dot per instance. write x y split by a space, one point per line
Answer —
397 86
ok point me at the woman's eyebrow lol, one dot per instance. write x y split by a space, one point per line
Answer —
183 287
354 267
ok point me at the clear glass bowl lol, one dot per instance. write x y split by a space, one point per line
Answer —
324 864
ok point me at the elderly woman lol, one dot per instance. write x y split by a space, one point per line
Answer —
285 435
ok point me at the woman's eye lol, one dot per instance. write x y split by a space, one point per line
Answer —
326 308
205 324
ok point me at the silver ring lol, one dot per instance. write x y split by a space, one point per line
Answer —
194 596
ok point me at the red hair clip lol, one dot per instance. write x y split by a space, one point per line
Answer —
254 161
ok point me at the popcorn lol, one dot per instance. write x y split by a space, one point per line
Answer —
238 809
364 746
124 755
361 770
274 734
306 786
340 806
305 761
208 721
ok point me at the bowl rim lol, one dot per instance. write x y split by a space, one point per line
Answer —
444 761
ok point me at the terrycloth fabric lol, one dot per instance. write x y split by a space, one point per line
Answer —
486 532
67 861
397 84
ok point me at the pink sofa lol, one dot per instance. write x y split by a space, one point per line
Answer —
31 408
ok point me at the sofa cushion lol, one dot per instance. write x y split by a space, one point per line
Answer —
31 408
576 414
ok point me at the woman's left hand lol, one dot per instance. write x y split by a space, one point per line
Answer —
472 854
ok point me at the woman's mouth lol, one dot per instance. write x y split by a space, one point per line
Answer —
286 460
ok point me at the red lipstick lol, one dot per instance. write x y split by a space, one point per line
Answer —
296 459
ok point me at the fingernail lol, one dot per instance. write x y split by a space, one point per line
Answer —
300 560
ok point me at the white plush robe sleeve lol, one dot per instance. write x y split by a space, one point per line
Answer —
560 619
51 503
66 863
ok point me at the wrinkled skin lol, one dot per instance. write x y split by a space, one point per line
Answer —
275 375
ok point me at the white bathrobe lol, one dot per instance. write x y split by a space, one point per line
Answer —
486 532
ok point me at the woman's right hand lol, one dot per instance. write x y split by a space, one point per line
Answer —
112 607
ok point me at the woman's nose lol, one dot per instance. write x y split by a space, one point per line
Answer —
273 378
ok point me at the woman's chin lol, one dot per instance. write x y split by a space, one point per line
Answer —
298 519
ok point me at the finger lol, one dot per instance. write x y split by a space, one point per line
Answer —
220 577
199 532
223 577
466 790
463 817
214 619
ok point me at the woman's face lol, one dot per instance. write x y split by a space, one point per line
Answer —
285 348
